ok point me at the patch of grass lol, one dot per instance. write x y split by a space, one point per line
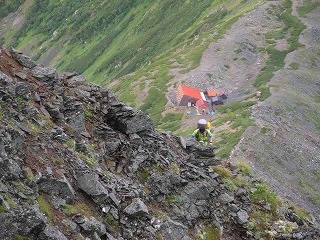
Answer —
89 111
294 66
264 193
20 237
244 168
224 172
70 210
176 199
91 161
2 209
30 174
264 130
237 116
301 212
144 174
45 207
211 232
275 34
230 184
70 143
175 168
308 7
112 222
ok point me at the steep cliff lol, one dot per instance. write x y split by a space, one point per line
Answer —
77 163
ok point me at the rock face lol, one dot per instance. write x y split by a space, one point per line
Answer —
76 163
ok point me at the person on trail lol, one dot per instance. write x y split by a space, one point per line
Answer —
202 134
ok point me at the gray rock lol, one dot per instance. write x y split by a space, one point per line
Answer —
127 120
51 233
4 78
10 168
226 198
26 221
92 225
75 80
200 190
90 184
44 74
3 187
172 230
54 187
242 217
24 60
183 142
136 209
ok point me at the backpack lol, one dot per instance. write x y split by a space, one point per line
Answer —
198 134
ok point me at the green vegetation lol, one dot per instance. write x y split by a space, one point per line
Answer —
144 174
294 27
225 173
237 116
2 209
20 237
91 161
112 222
7 7
294 66
45 207
244 168
108 42
176 199
71 210
308 7
264 193
211 233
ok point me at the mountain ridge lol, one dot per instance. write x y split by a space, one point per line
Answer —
77 163
297 120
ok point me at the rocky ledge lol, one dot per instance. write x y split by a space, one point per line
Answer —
77 163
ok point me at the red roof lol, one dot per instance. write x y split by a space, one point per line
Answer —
191 92
200 103
212 93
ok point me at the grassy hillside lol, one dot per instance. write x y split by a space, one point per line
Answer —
107 40
130 46
110 39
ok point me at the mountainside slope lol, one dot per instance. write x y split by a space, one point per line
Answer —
284 145
76 163
282 142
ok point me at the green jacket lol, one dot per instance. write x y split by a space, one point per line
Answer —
206 136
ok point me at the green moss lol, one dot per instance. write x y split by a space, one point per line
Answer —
20 237
264 193
45 207
70 210
91 161
244 168
144 174
211 233
176 199
112 222
224 172
308 7
294 66
2 209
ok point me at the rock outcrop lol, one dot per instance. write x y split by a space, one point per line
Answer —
76 163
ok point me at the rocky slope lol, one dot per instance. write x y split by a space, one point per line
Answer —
76 163
283 147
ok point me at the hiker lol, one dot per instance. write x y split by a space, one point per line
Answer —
202 133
